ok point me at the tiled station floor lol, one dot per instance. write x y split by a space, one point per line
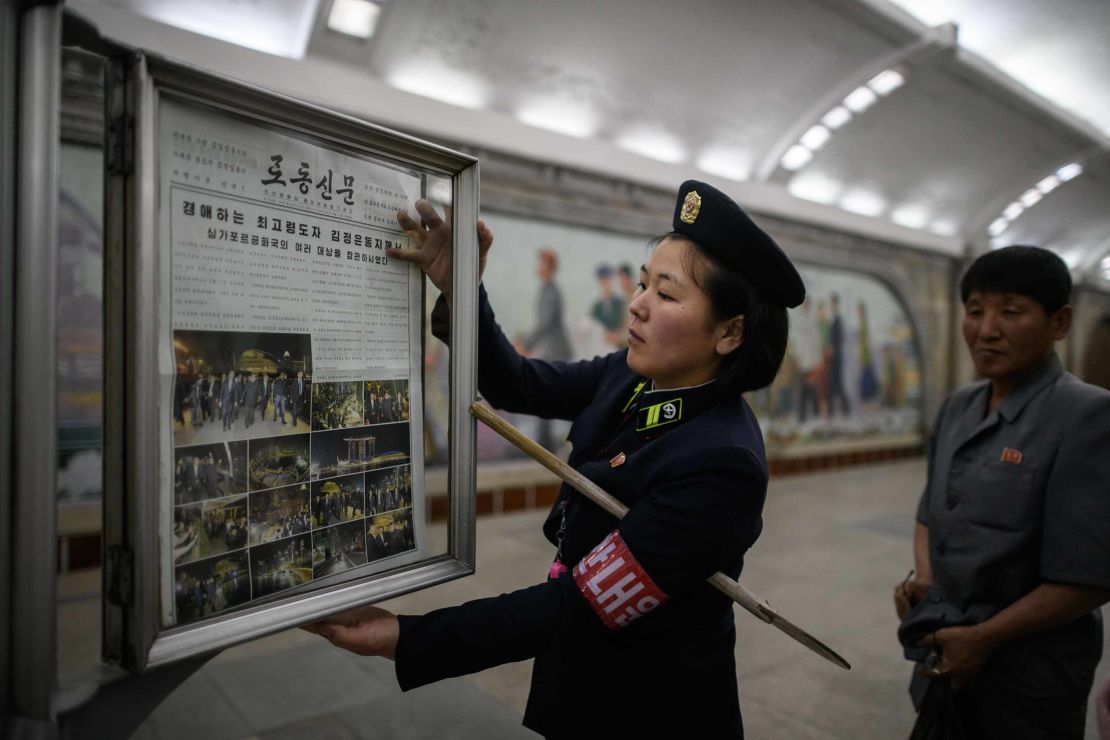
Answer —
834 544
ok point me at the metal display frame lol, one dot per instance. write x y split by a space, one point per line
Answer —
33 451
137 84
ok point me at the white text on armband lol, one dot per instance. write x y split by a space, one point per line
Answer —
616 586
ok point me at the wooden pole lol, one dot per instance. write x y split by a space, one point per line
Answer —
760 609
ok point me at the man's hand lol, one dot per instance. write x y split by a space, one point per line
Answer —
962 651
432 248
908 593
367 630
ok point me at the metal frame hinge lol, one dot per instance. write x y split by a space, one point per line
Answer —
120 576
119 159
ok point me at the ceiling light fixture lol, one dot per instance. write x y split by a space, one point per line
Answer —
655 144
863 202
860 99
559 116
1069 171
944 228
910 216
815 187
1048 184
836 117
815 137
998 226
432 79
796 157
886 82
356 18
1032 197
733 164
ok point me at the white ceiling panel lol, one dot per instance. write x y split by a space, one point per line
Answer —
703 78
1060 49
653 90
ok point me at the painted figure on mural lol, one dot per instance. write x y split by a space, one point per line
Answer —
548 339
808 348
608 308
837 395
868 380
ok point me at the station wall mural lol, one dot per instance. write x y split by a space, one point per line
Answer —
852 372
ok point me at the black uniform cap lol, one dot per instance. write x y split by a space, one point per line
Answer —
709 217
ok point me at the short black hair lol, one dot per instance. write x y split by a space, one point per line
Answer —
1030 271
754 364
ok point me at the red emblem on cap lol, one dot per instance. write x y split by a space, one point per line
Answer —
617 588
1011 455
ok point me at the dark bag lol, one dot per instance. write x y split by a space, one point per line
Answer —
937 718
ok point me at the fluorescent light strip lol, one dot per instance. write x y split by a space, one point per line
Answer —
796 157
860 99
857 101
910 216
815 187
1033 196
1048 184
356 18
815 137
559 116
886 82
732 164
863 202
1069 171
656 144
436 80
999 225
944 228
836 117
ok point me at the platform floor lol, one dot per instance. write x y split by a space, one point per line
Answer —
833 547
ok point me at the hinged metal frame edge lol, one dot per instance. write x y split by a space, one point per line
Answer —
34 444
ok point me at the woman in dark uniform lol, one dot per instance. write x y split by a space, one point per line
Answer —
628 638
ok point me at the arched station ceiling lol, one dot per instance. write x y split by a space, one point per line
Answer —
948 125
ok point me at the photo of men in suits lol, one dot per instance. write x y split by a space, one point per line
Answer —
234 378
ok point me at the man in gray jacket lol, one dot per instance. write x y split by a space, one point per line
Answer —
1012 541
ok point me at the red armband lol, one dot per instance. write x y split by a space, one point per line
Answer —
617 588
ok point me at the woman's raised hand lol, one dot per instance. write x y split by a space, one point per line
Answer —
366 630
432 248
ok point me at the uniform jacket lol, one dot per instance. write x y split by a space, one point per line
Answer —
694 477
1017 497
